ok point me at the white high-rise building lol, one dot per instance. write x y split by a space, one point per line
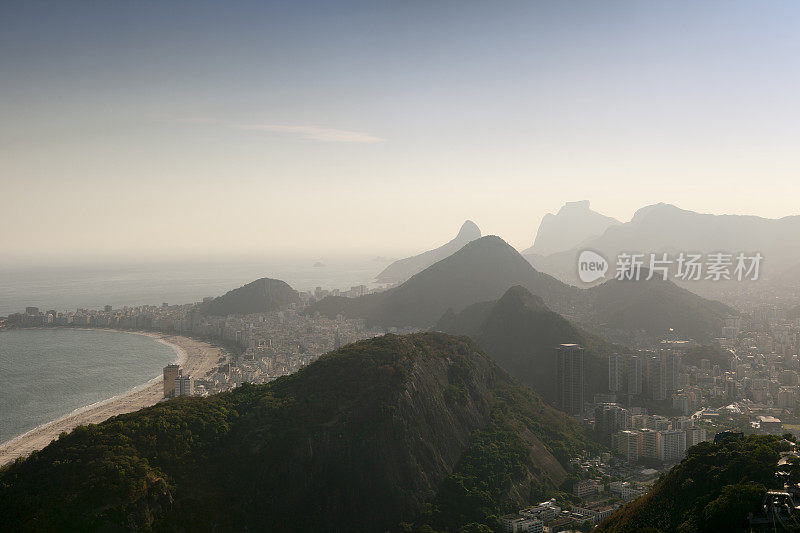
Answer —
635 375
673 363
673 445
651 443
657 378
615 372
184 385
628 443
658 423
694 436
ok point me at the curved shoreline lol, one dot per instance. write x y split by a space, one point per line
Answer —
196 357
179 360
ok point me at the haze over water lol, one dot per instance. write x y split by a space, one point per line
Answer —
70 287
49 373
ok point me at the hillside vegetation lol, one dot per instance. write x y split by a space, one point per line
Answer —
620 308
712 489
521 333
423 429
260 296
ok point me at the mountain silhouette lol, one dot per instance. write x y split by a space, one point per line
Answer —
403 269
574 223
260 296
388 430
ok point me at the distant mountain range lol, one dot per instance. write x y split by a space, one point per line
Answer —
521 333
482 270
622 310
486 268
403 269
574 223
664 228
421 429
260 296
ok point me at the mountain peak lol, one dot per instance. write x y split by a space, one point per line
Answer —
489 246
574 223
259 296
520 333
403 269
489 241
659 209
519 296
479 271
469 231
581 205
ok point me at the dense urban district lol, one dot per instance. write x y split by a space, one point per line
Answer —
260 346
660 401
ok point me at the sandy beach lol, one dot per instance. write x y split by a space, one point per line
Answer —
195 357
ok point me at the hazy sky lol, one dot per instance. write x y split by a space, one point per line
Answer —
155 128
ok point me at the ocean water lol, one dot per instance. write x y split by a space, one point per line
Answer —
48 373
66 288
45 374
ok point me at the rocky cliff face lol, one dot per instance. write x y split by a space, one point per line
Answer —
574 223
664 228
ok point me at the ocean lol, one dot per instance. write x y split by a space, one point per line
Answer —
48 373
45 374
67 288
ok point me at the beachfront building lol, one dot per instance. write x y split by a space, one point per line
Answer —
184 385
171 372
